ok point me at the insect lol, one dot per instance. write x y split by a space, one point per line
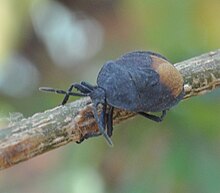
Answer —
139 81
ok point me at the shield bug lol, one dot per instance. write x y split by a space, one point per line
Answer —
139 81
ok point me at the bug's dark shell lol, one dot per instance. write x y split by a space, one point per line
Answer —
137 82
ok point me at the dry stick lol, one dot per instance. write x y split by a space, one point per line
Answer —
53 128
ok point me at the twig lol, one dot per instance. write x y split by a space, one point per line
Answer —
53 128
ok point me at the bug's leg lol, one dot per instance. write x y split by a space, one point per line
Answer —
101 122
89 86
84 88
67 95
110 121
154 117
81 88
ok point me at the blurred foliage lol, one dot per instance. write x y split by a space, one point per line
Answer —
55 43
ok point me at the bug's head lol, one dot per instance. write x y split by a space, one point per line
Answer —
98 95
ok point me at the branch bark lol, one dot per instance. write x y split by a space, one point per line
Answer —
53 128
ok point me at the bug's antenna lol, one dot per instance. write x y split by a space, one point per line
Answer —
58 91
48 89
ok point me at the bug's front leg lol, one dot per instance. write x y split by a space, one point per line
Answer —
70 93
101 121
110 121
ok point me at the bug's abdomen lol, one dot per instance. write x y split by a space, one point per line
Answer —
169 75
169 91
158 98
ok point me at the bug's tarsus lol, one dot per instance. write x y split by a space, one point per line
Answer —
164 112
88 135
81 140
154 117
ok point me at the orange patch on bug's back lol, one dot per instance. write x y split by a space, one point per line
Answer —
169 75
